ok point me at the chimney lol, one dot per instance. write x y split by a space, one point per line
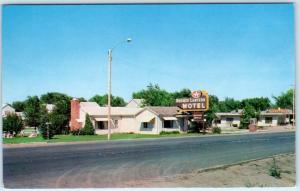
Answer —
75 114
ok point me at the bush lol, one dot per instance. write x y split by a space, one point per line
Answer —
13 124
169 132
75 132
216 130
88 128
46 128
193 128
274 170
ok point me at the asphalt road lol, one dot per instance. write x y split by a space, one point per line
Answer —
116 163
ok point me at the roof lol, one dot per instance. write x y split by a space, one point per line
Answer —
137 102
93 109
164 111
237 112
277 112
267 112
7 105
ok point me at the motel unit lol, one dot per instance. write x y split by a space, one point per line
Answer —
268 118
129 119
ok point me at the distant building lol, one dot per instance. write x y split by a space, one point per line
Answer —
50 107
271 117
148 120
135 103
7 109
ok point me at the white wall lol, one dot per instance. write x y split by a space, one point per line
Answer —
262 121
134 124
155 126
225 124
7 110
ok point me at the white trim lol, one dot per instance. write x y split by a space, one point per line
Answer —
170 118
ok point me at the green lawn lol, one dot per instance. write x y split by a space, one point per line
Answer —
73 138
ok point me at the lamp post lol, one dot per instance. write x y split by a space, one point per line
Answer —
294 114
293 109
109 86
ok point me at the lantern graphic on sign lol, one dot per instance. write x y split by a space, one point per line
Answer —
196 94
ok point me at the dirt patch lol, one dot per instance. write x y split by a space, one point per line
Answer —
246 174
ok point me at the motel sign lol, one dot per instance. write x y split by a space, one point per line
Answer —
198 102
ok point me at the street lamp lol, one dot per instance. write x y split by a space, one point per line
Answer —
294 114
109 85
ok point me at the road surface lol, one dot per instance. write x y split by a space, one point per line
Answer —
115 163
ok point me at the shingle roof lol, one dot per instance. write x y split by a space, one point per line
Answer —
93 109
138 102
279 110
164 111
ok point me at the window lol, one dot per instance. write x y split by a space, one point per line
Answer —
145 125
102 125
230 120
268 119
168 124
116 122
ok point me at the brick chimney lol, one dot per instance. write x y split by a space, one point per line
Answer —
75 112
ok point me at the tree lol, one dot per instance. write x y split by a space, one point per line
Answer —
285 100
18 106
47 130
54 97
88 128
259 104
81 99
180 94
248 112
213 108
154 96
13 124
60 116
32 111
116 101
229 104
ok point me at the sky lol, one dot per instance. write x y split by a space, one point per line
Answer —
233 50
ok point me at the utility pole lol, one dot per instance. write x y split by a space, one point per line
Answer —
294 111
109 94
109 86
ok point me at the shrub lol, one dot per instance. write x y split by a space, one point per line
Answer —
46 128
193 128
274 170
88 128
169 132
13 124
216 130
75 132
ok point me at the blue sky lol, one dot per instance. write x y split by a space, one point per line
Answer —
232 50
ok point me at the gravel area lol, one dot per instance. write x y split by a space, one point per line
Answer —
253 173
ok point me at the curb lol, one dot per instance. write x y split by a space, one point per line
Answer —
40 144
239 163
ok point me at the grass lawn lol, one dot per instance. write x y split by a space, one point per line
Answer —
72 138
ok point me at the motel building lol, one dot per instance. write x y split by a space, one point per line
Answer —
132 118
268 118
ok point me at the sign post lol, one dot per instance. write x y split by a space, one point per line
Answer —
197 104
